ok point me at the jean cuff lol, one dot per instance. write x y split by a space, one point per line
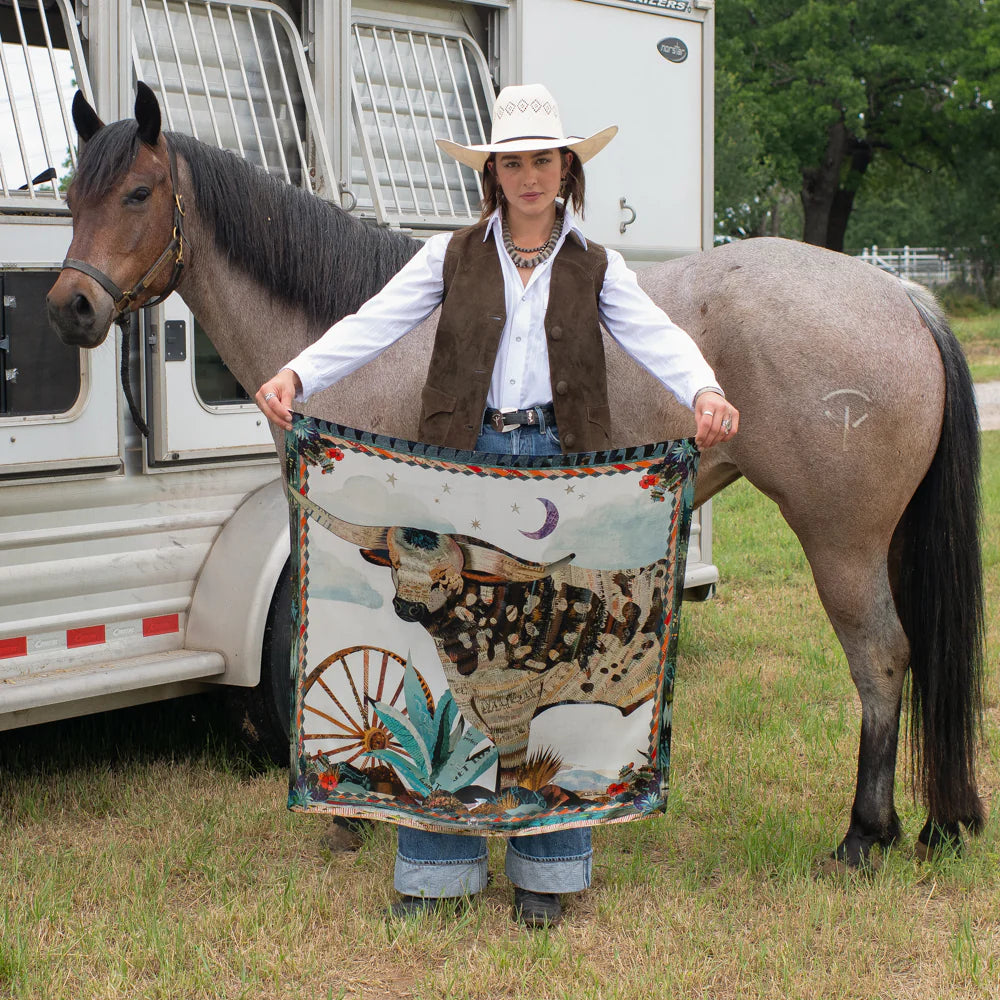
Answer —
440 879
570 874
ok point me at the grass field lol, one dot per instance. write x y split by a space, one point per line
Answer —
980 336
142 857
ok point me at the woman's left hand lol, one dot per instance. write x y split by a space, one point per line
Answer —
718 420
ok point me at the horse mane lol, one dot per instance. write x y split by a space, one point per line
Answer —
300 248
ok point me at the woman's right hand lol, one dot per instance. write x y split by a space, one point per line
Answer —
276 395
718 420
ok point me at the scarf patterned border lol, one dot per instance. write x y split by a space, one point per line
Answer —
411 757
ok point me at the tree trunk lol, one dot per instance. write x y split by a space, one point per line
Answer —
843 200
826 199
820 185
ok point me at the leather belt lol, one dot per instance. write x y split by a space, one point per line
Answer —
507 419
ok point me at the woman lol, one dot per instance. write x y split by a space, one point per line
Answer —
517 368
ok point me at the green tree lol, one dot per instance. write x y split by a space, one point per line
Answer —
972 212
899 205
832 85
749 199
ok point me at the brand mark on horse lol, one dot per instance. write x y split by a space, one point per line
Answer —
846 422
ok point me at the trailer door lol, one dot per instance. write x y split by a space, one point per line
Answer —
645 65
58 405
414 79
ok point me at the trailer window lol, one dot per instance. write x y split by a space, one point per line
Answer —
39 374
215 383
408 88
234 75
41 64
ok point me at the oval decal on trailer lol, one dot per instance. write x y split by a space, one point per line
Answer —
673 49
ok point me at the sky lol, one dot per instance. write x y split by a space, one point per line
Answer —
49 86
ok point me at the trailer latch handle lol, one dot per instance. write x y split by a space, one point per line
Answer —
625 207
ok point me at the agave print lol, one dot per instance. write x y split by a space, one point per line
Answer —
440 743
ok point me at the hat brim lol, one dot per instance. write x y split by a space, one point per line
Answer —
476 156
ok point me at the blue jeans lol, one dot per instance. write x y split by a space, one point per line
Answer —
447 864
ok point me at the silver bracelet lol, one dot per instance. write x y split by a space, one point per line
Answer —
708 388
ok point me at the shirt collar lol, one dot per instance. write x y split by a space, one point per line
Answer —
570 227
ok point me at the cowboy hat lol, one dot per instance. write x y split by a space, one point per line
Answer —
526 118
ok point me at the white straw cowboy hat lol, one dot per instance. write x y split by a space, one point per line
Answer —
526 118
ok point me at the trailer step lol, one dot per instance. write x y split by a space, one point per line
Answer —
37 690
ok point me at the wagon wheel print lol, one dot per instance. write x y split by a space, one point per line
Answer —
338 720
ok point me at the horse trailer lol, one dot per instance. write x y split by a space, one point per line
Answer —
135 568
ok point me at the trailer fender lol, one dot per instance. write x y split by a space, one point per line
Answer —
234 589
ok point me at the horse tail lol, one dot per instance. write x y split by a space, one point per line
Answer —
940 595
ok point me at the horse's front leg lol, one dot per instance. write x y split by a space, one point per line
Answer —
857 597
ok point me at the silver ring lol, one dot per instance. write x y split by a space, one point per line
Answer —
708 413
269 395
727 424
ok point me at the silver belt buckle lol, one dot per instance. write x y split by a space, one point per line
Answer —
507 427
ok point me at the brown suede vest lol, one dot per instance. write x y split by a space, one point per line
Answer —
468 337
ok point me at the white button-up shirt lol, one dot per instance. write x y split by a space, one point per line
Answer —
521 374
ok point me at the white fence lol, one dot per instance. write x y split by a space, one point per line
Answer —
928 265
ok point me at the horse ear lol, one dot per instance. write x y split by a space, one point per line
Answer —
147 114
85 118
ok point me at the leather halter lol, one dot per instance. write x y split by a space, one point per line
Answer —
124 301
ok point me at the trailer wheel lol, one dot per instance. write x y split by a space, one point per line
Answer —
263 713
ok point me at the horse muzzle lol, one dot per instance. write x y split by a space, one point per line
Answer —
80 318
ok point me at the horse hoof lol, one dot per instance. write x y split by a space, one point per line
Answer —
937 839
339 838
975 824
834 867
940 848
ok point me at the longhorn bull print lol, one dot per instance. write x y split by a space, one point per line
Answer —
516 637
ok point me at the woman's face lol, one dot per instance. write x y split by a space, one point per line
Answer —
530 181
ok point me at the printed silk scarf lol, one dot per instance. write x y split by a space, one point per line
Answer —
483 643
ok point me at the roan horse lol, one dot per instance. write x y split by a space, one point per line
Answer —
858 414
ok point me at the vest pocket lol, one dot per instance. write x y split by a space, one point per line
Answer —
436 410
600 415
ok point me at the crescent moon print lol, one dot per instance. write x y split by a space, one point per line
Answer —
551 520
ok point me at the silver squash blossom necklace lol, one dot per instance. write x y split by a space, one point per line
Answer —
538 254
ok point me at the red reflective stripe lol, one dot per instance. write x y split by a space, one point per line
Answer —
161 625
14 647
91 636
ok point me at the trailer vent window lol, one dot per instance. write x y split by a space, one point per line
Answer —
41 63
234 75
39 374
214 382
408 88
